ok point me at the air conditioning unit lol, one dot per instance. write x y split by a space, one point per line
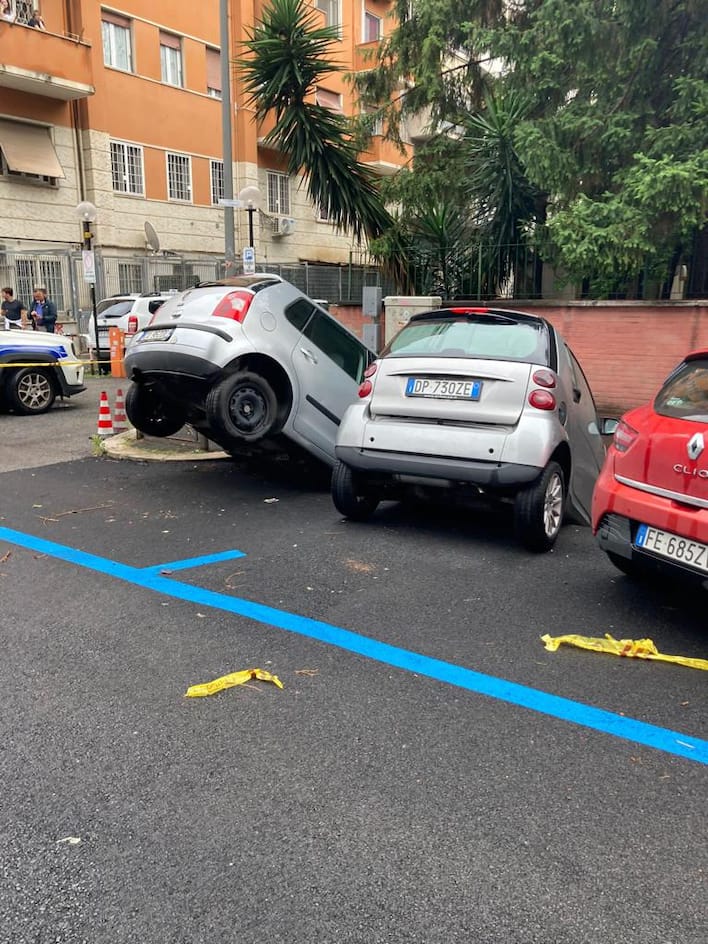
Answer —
284 226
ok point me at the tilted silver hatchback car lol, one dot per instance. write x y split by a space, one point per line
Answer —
477 400
251 362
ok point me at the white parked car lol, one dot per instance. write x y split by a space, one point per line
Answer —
129 312
47 367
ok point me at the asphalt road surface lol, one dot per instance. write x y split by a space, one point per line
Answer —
428 773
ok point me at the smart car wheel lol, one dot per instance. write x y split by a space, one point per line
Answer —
151 413
31 390
538 510
349 494
243 406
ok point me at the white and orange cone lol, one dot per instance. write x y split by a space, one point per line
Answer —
105 423
120 420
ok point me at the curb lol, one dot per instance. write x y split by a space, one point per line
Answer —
127 446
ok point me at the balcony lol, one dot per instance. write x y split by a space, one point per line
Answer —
45 64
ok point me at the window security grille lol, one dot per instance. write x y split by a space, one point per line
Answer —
127 168
217 181
179 177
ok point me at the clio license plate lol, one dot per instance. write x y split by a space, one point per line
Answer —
673 547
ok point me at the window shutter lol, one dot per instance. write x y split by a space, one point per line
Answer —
213 69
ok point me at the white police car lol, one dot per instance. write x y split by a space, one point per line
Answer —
35 369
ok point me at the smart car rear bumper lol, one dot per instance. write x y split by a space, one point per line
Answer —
492 475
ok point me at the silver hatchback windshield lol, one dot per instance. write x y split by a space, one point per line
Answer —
480 336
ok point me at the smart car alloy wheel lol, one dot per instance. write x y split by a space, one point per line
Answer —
350 495
538 510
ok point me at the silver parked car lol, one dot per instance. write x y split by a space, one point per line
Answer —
251 362
481 401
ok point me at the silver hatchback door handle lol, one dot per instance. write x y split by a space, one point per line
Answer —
308 354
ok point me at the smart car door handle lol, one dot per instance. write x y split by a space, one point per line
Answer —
308 354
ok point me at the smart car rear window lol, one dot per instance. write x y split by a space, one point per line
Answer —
501 339
685 393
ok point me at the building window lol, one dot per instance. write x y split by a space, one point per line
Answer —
278 193
213 72
321 214
127 168
373 119
130 278
179 177
45 273
117 49
373 27
327 99
331 10
217 181
171 59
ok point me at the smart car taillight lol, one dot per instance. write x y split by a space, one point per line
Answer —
624 436
235 305
365 389
542 400
370 370
132 324
544 378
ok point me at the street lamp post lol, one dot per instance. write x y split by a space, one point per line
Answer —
87 213
251 198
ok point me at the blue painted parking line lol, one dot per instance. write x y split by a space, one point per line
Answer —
629 729
191 562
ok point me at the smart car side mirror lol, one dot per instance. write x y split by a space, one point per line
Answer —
154 305
608 425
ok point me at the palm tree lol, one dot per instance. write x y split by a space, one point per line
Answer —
288 58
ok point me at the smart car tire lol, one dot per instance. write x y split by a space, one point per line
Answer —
151 413
348 495
243 406
31 390
539 509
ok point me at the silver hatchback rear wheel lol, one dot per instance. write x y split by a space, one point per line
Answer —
539 510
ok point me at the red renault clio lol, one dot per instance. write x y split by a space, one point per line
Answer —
650 504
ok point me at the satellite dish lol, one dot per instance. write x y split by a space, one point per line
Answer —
152 240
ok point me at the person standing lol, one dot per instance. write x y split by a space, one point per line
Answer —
43 312
13 309
36 20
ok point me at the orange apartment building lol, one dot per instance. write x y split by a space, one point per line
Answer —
120 105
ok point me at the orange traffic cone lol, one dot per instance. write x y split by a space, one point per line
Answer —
105 423
120 420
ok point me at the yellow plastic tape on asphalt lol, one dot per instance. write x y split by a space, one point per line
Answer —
229 681
633 648
60 363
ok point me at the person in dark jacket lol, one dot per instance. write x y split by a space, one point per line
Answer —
43 312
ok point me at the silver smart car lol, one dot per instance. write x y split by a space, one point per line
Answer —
480 401
251 362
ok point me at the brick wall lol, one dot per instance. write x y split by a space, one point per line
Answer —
625 348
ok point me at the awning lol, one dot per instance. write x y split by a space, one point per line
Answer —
28 149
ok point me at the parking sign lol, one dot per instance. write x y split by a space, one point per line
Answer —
249 260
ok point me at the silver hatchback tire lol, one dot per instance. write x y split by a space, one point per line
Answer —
539 510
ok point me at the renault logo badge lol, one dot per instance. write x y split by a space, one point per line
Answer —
696 445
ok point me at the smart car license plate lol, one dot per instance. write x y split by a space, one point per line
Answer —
443 389
158 334
665 544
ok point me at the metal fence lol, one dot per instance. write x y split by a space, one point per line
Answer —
61 273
